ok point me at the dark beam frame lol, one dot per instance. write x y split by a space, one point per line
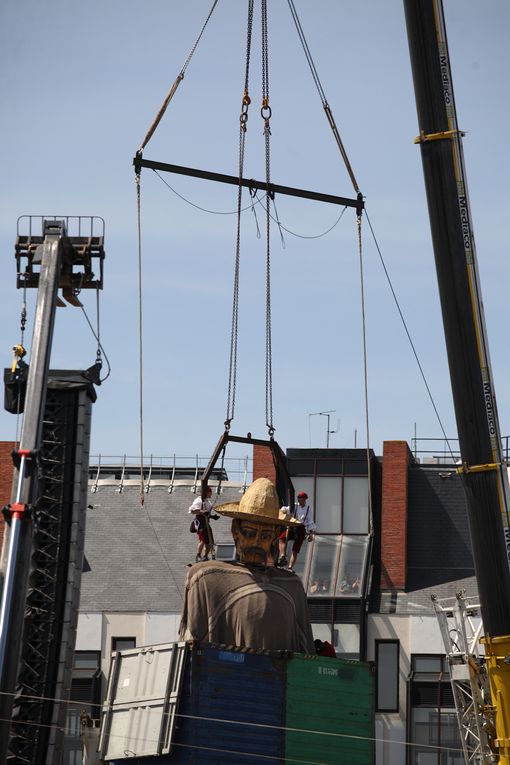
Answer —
273 188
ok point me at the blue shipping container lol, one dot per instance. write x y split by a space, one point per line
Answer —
231 711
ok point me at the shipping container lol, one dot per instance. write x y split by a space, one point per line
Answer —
238 707
329 711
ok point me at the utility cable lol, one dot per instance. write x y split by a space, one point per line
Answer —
255 200
306 236
175 85
284 729
198 207
322 95
99 344
409 337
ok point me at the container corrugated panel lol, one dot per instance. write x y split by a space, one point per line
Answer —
143 689
231 711
329 696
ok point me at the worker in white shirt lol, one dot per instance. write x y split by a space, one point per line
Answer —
203 512
302 513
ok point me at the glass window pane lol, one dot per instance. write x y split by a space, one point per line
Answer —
300 566
352 567
355 515
86 660
427 664
123 644
321 632
323 566
327 505
424 732
306 485
346 641
387 675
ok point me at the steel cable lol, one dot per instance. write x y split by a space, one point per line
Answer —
322 95
284 729
175 85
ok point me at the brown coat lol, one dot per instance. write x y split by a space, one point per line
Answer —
248 606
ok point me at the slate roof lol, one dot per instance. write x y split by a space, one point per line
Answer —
439 553
137 555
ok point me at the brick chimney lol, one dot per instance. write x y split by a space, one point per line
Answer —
263 465
6 473
396 460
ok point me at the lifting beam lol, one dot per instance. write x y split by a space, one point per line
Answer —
272 188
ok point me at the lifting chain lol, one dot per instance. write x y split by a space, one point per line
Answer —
19 350
243 120
265 113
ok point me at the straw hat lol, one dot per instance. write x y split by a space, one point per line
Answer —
259 503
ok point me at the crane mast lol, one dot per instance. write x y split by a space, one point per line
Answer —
483 471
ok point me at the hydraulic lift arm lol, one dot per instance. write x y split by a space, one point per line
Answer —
45 262
20 538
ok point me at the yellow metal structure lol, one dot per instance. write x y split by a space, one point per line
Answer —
497 653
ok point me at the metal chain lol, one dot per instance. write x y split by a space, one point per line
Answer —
266 116
243 120
99 359
23 321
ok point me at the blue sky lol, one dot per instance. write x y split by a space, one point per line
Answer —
79 85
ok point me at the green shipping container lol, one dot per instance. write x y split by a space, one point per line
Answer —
329 712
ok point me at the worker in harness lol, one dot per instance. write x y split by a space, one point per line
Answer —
302 513
203 512
248 603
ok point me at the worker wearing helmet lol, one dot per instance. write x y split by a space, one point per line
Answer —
302 513
248 603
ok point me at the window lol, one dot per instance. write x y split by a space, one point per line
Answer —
355 506
346 640
352 567
86 695
387 667
323 566
123 643
433 728
335 564
328 505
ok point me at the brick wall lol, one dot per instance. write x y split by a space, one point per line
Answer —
263 465
396 460
6 470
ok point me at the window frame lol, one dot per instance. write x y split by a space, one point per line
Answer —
396 707
123 638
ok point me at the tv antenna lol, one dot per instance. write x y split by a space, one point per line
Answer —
327 414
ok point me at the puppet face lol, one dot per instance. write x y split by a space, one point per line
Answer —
253 540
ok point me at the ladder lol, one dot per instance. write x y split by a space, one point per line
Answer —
461 626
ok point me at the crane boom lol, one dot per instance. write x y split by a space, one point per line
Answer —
483 471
